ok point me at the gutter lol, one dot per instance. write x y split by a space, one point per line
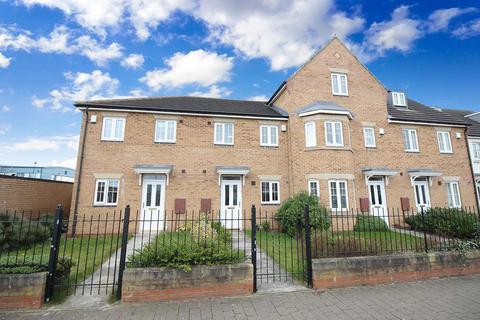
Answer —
79 174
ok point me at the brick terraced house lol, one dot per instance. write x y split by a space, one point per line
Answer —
331 129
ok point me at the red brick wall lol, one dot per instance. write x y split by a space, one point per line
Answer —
39 196
22 291
354 271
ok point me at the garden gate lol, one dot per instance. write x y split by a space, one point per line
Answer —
280 257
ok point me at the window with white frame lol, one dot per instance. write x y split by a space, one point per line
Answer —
475 150
444 142
453 195
224 133
268 136
165 131
310 134
369 135
113 128
270 192
339 84
106 192
399 99
338 194
333 133
410 140
313 188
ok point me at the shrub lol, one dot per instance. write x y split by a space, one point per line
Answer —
184 251
368 223
290 215
447 222
21 264
265 225
16 232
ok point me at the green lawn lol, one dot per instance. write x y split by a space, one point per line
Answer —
290 253
86 253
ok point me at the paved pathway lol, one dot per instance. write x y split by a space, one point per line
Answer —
454 298
278 279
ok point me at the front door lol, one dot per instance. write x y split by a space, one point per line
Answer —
153 203
378 201
422 194
231 197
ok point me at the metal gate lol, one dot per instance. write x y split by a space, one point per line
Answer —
279 257
90 262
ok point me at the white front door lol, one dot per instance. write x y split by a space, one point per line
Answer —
422 194
153 203
231 197
378 200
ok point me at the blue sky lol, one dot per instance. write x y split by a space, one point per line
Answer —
54 52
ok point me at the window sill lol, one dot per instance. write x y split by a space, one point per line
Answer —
412 151
223 144
269 203
329 148
108 140
446 152
165 142
105 205
340 95
268 146
371 148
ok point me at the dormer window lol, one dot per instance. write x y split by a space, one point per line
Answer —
399 99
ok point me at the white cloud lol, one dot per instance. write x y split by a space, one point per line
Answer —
92 14
147 14
60 40
4 128
261 97
284 32
69 163
468 30
52 143
81 86
133 61
399 33
213 92
197 67
440 19
4 61
6 108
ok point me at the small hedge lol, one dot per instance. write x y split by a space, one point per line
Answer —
367 223
203 243
446 222
33 264
291 219
16 232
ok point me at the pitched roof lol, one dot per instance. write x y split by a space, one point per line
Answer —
324 106
418 112
189 105
474 126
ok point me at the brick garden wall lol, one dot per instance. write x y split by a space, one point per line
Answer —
156 284
353 271
18 291
35 195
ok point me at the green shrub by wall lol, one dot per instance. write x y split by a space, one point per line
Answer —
368 223
291 219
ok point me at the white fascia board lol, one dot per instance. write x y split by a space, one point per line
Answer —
185 113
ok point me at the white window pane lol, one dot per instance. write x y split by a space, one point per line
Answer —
171 131
107 128
343 84
338 133
118 128
228 133
310 134
218 133
275 191
329 130
265 192
335 87
264 135
414 139
273 135
161 128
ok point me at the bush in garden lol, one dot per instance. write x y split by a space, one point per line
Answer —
368 223
265 225
291 218
32 264
16 232
449 222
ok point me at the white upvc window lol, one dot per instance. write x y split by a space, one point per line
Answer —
369 135
333 133
475 151
310 134
165 131
314 188
444 142
453 195
399 99
224 133
270 192
268 136
113 128
339 84
106 192
338 194
410 140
